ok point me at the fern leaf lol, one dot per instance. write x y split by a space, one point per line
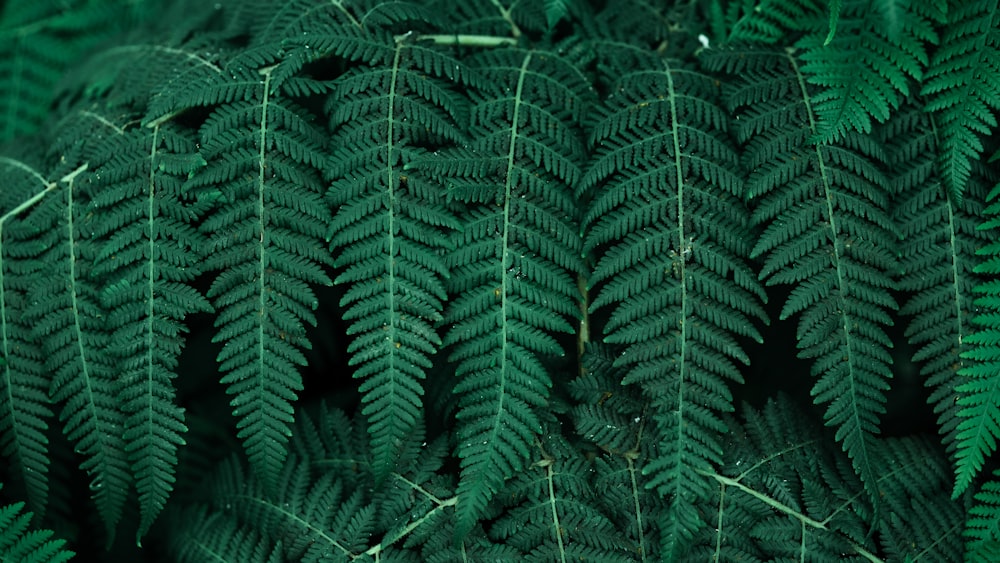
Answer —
822 208
921 523
979 387
69 322
767 21
615 419
390 231
782 494
149 258
961 85
39 42
982 528
266 243
24 382
20 543
201 535
864 70
315 518
670 240
553 513
938 238
514 264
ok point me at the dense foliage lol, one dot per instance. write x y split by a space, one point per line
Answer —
492 280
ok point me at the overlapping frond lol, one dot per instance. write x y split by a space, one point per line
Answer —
148 259
25 408
938 241
391 228
921 522
979 385
670 240
515 262
865 70
553 513
313 516
21 543
827 232
68 320
266 235
202 535
783 494
616 420
961 86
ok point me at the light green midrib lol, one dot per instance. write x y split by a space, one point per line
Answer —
504 251
556 526
678 483
859 457
261 372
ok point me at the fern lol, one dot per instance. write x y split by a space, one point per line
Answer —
265 241
554 515
921 522
490 187
982 531
212 536
391 227
670 243
826 231
24 403
300 515
514 265
39 42
18 542
866 63
961 86
938 239
767 22
979 388
615 419
68 318
149 257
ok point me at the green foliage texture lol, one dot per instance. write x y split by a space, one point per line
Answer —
499 280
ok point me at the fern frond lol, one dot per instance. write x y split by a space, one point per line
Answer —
19 543
149 247
314 518
784 495
200 535
938 239
921 523
553 514
767 21
864 69
391 229
671 239
69 322
39 42
615 418
982 530
24 382
332 442
979 385
826 232
514 265
266 243
961 85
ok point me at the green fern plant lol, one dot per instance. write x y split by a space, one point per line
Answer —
498 280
